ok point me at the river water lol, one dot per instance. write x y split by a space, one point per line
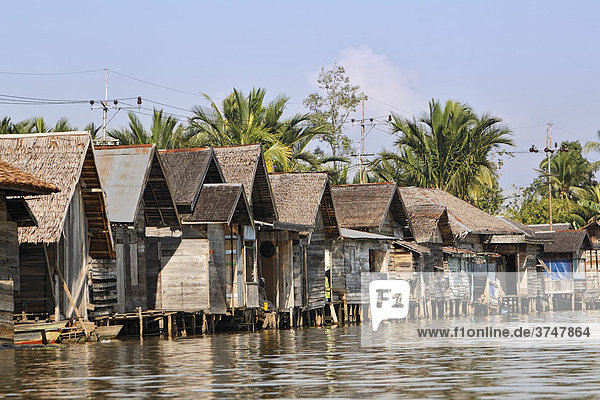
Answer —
310 362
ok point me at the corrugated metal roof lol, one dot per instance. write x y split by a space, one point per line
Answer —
123 172
354 234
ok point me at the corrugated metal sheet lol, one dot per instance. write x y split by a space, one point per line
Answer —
123 171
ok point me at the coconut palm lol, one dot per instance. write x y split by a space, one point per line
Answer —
447 148
244 119
164 131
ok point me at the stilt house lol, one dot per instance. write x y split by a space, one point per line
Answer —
73 227
305 205
194 262
138 197
14 213
246 165
371 217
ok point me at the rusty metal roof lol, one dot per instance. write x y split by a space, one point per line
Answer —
126 173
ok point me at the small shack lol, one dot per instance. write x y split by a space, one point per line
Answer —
246 165
305 205
197 264
371 217
14 213
138 197
73 226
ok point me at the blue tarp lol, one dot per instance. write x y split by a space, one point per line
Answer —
560 270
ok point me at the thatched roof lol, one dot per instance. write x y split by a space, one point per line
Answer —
565 241
299 196
369 205
187 170
412 246
546 227
133 176
15 182
525 229
464 218
246 165
426 220
63 160
221 202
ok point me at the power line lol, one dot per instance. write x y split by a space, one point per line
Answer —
50 73
160 86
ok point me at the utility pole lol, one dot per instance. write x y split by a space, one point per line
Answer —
548 151
362 140
115 106
105 108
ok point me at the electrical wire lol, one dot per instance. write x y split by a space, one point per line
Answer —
50 73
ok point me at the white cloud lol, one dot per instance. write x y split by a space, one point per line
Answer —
382 81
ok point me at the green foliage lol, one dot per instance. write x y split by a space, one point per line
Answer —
164 131
490 198
448 148
332 105
247 119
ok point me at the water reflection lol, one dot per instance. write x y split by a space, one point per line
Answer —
303 363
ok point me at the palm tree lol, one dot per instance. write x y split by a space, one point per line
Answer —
164 132
244 119
448 148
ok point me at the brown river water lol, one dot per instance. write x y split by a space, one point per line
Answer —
310 362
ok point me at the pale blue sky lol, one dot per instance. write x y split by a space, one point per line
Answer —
526 62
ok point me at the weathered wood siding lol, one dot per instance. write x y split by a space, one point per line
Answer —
73 257
6 312
216 269
104 287
9 255
299 268
35 294
315 269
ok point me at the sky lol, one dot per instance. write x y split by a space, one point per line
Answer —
528 63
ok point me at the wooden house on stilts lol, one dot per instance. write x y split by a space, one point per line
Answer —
192 273
138 197
14 213
373 224
305 206
73 227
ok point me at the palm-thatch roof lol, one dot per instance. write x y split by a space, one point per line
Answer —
187 170
246 165
132 177
546 227
464 218
570 241
221 203
299 196
64 160
429 219
370 205
15 182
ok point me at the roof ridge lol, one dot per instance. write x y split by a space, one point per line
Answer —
191 149
44 134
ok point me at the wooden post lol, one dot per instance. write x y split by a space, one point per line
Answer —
204 324
333 314
170 326
141 322
184 331
193 323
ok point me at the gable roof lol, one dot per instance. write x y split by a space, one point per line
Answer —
464 218
16 182
546 227
186 171
245 164
299 196
221 203
368 205
570 241
426 219
63 160
133 176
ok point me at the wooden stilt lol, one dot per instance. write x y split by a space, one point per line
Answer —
170 326
141 322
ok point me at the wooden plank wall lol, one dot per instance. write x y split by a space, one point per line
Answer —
177 269
217 285
34 296
298 252
315 268
6 312
9 256
338 270
104 287
73 257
